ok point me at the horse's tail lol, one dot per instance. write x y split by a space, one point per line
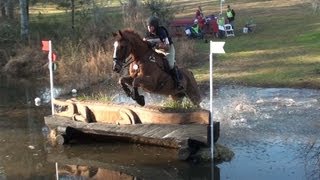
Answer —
192 89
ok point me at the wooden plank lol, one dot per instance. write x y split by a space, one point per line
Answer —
157 134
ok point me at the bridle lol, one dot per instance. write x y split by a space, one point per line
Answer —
123 64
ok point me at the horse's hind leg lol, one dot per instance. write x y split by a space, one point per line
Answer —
192 89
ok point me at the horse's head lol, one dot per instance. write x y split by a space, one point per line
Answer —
121 53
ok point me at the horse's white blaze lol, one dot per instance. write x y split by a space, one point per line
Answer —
115 45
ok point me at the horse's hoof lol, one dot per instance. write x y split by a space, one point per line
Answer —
140 101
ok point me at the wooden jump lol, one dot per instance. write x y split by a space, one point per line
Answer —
186 131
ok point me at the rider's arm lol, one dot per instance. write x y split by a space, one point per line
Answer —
164 37
163 45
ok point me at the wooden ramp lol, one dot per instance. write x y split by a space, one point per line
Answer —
186 131
168 135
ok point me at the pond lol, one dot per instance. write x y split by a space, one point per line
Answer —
272 131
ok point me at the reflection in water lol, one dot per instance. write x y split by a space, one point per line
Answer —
140 162
85 172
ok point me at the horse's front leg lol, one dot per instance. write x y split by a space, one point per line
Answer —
137 97
128 80
124 81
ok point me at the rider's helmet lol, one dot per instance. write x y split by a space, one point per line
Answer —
153 21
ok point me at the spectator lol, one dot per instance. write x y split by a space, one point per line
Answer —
200 17
215 27
230 15
196 30
221 23
199 12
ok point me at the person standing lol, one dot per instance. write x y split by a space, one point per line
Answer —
200 17
230 15
221 22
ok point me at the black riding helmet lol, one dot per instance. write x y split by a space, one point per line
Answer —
153 21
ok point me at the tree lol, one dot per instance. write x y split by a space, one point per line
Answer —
315 5
7 8
24 16
3 10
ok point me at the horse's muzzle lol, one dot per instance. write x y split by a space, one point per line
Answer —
116 67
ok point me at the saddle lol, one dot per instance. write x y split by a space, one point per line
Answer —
174 73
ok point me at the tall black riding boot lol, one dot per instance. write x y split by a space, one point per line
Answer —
177 78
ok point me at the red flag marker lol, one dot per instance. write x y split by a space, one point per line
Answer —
45 45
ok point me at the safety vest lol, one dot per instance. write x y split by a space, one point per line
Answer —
229 14
195 28
221 21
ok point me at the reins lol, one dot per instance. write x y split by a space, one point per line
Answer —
128 61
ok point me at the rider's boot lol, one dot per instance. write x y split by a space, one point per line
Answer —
177 78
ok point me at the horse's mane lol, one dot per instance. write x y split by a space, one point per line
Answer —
133 37
137 41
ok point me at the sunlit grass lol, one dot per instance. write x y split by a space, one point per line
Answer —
183 105
101 97
282 51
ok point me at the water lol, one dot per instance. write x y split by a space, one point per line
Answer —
273 133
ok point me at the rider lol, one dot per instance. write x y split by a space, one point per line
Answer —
163 44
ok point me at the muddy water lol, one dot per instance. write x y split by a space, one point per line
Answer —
273 133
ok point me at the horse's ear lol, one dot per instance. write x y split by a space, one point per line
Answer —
114 34
120 33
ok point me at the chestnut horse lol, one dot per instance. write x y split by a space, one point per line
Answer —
147 70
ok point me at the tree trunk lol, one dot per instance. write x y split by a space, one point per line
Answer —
2 8
72 14
9 8
24 33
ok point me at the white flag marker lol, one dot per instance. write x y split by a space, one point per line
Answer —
215 48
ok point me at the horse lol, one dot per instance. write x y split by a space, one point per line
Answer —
147 70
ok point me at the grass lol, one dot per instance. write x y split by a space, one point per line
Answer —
101 97
184 105
282 52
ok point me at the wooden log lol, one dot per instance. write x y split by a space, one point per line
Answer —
130 114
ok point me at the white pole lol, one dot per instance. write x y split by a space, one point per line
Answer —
221 2
57 173
215 47
211 104
51 75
